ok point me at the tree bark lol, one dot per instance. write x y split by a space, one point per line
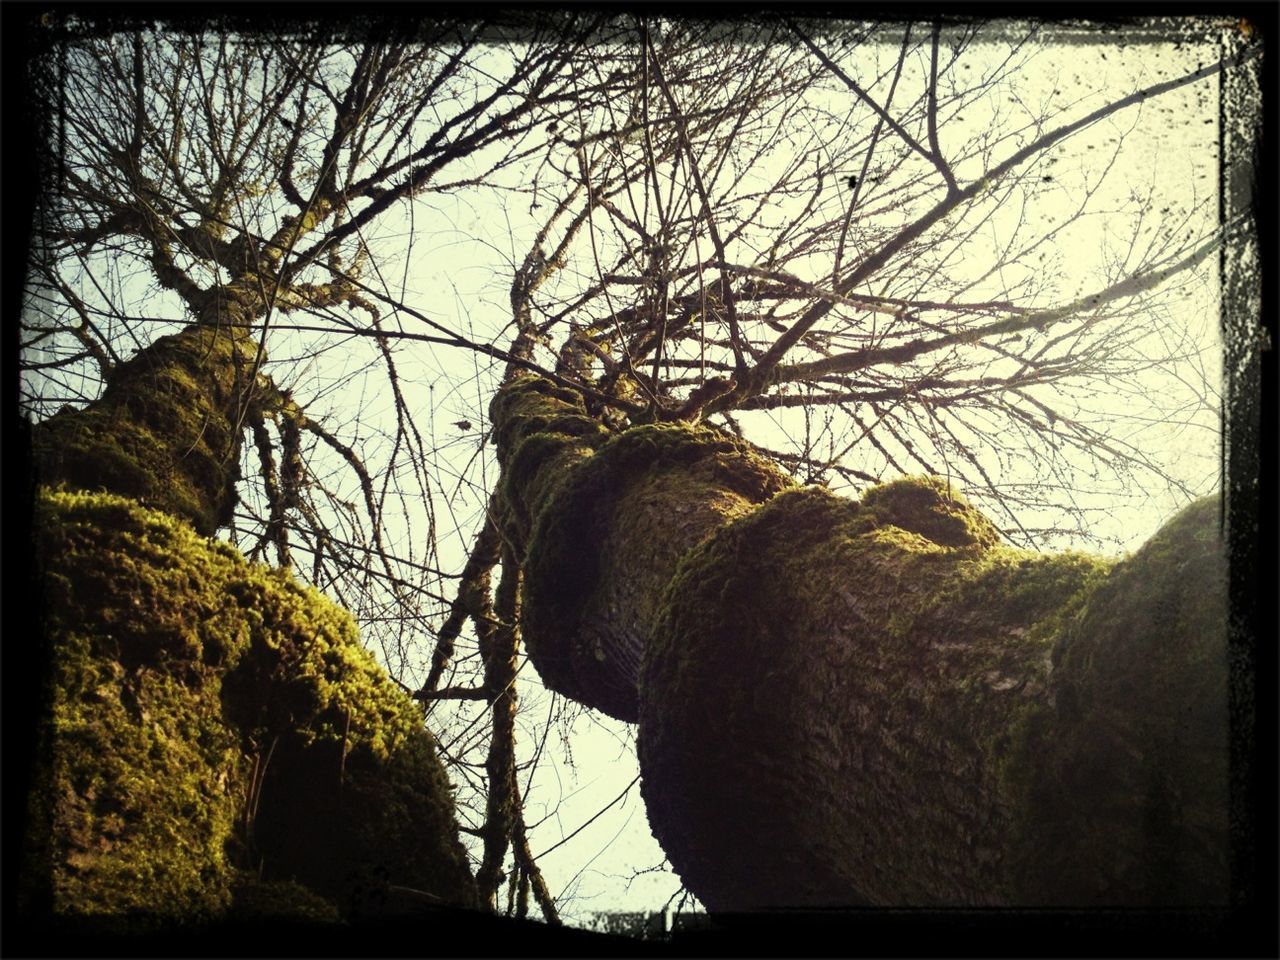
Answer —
215 736
166 431
215 745
874 702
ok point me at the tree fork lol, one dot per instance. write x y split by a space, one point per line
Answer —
874 702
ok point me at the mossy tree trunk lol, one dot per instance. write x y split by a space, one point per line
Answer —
216 745
166 431
873 702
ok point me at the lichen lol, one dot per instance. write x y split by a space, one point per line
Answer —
188 692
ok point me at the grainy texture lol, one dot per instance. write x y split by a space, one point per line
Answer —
830 698
874 702
618 525
540 430
1130 767
605 532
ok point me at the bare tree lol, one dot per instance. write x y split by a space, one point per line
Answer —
763 226
825 263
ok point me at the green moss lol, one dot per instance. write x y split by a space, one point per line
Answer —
541 430
617 523
565 485
1038 592
863 667
141 778
529 405
845 704
532 473
182 677
165 431
1126 775
927 506
273 901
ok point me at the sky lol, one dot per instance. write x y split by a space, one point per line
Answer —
583 804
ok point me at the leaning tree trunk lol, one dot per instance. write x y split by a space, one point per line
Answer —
873 702
216 745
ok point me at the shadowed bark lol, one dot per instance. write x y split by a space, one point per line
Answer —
167 429
874 702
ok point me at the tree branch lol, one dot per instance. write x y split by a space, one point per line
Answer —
758 378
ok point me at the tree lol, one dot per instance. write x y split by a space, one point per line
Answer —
750 219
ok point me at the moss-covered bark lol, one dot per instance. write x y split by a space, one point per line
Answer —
604 547
831 697
540 431
216 737
1126 772
166 431
874 702
217 745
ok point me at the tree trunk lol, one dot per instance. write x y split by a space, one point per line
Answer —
166 432
874 702
215 744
